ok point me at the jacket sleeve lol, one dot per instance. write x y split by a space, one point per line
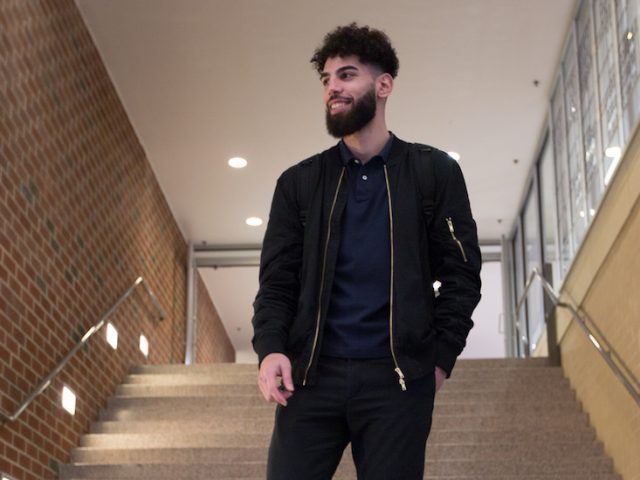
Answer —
280 262
455 262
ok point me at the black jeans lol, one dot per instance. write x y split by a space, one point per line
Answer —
358 401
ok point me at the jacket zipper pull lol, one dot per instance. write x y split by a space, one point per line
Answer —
453 235
403 385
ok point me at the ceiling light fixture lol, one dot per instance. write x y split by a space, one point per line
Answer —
455 156
237 162
254 221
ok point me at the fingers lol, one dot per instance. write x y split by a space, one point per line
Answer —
287 381
272 368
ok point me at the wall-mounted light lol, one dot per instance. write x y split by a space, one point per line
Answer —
144 345
68 400
455 156
112 336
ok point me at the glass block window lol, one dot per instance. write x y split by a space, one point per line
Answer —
559 138
574 143
627 12
589 109
609 79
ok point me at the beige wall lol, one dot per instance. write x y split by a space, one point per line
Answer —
604 282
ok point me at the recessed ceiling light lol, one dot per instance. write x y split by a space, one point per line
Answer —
237 162
254 221
455 156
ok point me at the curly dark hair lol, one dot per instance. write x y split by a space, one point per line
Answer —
371 46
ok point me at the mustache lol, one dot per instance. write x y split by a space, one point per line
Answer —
338 97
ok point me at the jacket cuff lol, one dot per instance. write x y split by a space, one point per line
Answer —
263 346
446 356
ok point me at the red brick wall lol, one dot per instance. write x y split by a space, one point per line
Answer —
212 342
81 216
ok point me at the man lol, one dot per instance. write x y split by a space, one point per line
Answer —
353 342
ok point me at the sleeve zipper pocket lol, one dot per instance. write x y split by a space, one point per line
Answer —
453 235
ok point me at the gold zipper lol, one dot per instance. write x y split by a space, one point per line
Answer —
324 264
453 235
403 385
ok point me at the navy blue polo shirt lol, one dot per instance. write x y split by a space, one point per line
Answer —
357 324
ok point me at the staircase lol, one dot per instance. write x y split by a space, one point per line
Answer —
494 420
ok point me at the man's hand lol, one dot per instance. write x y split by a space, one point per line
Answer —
275 366
441 376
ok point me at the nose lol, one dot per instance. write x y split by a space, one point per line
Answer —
332 86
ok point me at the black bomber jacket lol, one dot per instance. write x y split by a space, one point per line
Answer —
433 237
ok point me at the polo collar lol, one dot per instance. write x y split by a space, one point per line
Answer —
346 155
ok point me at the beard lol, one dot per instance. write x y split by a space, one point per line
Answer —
361 113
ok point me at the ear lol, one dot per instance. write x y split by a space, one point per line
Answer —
384 85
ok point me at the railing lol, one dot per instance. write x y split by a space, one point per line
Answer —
42 386
601 344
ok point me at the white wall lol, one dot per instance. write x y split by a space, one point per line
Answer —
484 340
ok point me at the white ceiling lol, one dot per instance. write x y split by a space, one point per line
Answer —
205 80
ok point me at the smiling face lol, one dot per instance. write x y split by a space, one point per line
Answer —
350 95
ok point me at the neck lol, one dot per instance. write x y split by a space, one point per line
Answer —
367 142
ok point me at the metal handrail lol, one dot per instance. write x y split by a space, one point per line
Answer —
42 386
608 353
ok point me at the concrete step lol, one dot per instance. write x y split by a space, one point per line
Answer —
549 425
212 378
470 468
210 409
493 363
201 434
521 363
255 405
170 440
551 452
237 371
582 476
479 382
225 369
444 395
217 376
